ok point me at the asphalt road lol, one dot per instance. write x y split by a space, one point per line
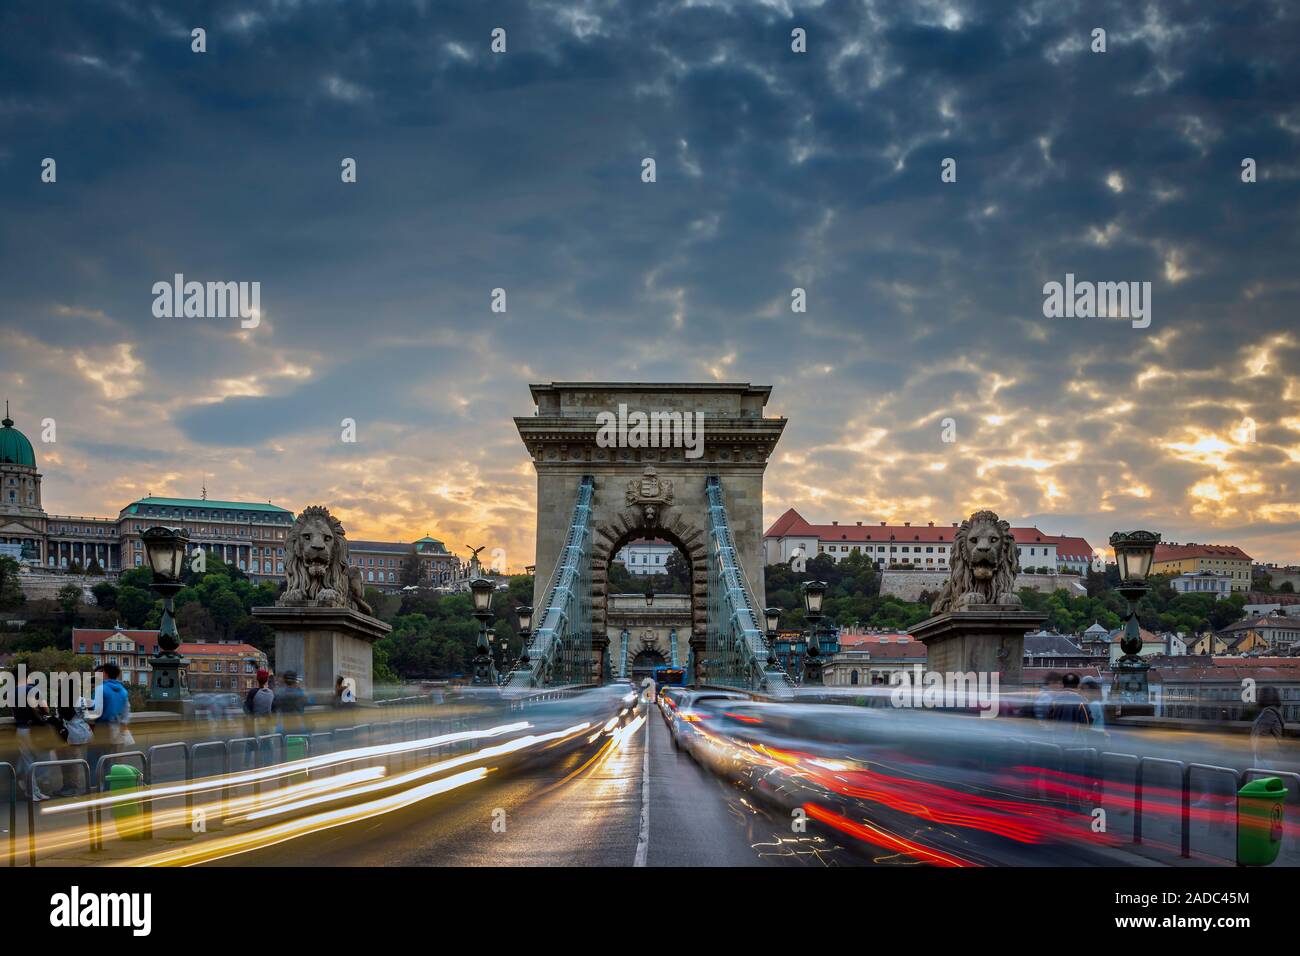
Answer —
640 804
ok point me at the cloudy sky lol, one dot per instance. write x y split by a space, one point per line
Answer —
775 170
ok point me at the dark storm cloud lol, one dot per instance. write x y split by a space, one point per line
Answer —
775 170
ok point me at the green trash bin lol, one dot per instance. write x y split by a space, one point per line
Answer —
295 748
123 778
1259 821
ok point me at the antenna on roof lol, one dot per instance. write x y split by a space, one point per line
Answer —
205 487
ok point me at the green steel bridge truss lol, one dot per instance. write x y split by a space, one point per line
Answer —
560 649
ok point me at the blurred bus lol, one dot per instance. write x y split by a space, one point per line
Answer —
669 677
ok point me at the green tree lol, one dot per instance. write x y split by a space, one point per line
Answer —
49 660
226 609
134 605
105 595
195 623
70 601
678 571
11 592
410 573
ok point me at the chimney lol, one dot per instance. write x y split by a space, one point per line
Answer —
859 524
931 524
882 524
835 524
907 524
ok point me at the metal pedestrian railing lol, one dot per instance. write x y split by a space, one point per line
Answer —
178 762
32 788
1144 794
11 775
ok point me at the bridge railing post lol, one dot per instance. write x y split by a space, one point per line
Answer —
11 777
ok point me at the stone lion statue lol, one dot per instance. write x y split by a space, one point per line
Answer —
317 564
984 565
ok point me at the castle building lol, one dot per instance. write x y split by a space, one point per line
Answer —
248 535
382 562
22 519
918 547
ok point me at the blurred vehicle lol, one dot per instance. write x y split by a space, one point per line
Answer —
669 698
665 676
693 707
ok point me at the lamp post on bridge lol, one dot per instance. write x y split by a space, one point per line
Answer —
1134 554
165 550
822 640
484 670
525 614
772 618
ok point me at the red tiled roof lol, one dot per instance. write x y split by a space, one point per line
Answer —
906 650
789 523
1068 547
1180 552
1234 669
1265 621
104 633
144 641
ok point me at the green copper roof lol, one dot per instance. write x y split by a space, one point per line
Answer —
209 504
15 449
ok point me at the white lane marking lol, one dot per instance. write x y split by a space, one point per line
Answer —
643 838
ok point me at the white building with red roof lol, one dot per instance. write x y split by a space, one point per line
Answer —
925 547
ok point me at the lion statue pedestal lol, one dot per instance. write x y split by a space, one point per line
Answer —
980 624
983 638
323 627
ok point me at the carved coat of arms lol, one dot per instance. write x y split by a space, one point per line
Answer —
650 493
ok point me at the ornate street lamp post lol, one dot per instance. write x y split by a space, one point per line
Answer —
525 615
772 618
814 592
485 674
165 550
1134 553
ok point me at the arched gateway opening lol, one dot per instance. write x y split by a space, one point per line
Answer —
594 495
670 628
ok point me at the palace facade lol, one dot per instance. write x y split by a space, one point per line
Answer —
249 535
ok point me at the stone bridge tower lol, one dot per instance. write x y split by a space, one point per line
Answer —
650 482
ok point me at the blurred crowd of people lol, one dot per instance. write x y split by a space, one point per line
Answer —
86 730
68 732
